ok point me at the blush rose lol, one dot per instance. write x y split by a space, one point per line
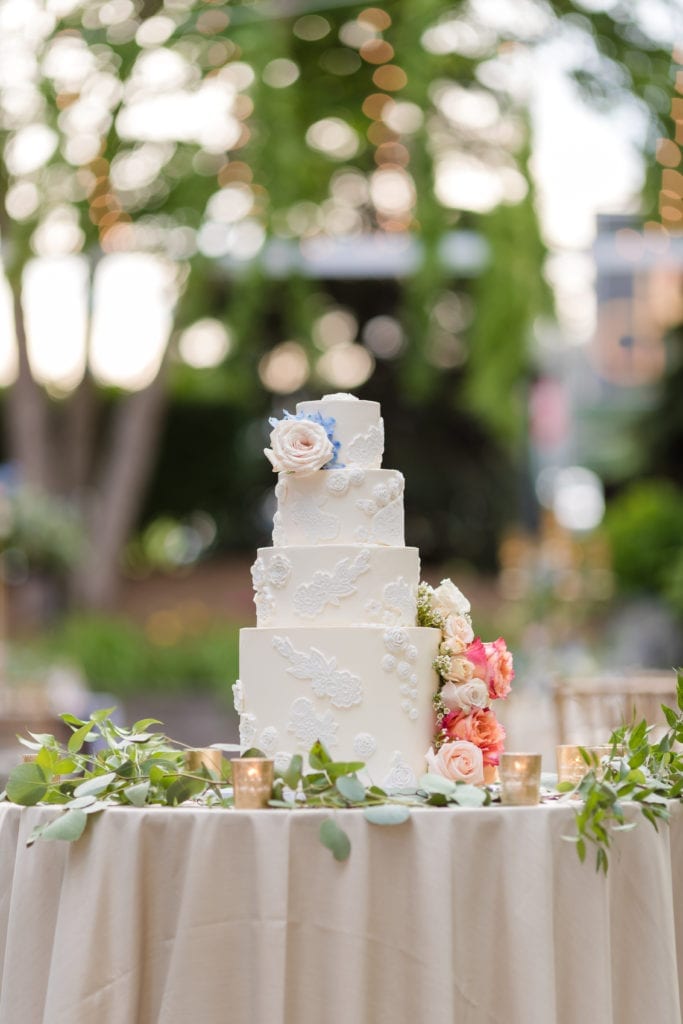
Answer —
299 446
459 761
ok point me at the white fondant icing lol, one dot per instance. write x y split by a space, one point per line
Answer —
238 696
401 777
330 587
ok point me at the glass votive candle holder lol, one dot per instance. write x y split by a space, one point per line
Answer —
252 781
520 776
207 757
571 766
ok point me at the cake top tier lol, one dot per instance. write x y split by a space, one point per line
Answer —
358 428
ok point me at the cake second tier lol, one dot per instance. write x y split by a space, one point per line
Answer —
340 585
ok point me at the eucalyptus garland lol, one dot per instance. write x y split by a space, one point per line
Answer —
104 764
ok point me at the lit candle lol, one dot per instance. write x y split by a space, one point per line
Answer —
520 776
571 766
209 757
252 780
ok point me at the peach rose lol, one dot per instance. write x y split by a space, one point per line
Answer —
480 727
459 761
459 669
298 446
457 633
499 670
465 696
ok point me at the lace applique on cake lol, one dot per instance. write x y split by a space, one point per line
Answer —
278 530
397 607
337 483
398 645
281 760
265 606
267 741
364 745
330 587
385 511
367 449
357 476
279 570
309 727
281 489
316 524
238 696
343 689
401 776
258 573
248 730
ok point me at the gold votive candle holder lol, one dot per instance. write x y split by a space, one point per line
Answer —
252 780
571 766
520 776
204 757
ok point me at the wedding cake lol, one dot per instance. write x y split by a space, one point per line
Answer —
349 647
337 654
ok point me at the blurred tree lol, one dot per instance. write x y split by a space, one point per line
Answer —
193 132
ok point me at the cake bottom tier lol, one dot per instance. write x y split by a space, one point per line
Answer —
364 691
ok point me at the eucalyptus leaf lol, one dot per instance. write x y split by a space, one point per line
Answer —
437 784
351 788
27 784
469 796
387 814
318 756
144 723
68 826
182 789
81 802
335 839
95 785
294 771
137 794
79 737
337 768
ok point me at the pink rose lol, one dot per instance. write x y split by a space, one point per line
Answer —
499 670
480 727
459 761
299 446
475 653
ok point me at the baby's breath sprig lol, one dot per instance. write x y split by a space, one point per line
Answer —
426 616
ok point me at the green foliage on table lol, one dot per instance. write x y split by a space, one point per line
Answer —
104 764
647 774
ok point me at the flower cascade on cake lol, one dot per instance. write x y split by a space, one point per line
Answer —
468 738
302 443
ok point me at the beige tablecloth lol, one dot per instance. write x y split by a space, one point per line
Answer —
193 916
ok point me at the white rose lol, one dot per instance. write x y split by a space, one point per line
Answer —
448 600
299 446
465 696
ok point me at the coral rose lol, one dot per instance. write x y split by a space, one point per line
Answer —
299 446
480 727
459 761
499 670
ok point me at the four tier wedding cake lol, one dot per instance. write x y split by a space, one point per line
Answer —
336 654
349 648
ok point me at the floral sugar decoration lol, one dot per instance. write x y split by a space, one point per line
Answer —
303 444
468 737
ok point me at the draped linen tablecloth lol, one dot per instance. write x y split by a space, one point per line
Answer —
481 916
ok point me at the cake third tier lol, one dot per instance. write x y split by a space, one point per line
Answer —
336 586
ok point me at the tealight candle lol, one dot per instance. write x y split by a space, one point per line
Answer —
520 776
252 780
208 757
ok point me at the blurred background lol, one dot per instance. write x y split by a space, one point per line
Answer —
468 211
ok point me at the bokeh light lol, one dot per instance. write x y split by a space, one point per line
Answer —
284 369
346 366
205 344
